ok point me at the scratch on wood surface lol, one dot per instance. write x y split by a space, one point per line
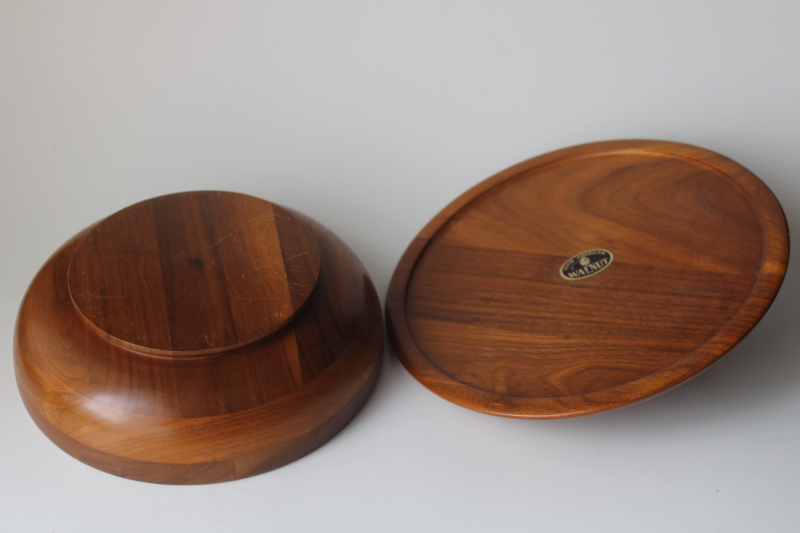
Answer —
216 242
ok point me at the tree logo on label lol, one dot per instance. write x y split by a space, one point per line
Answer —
586 264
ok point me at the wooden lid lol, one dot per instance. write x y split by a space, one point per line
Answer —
587 279
196 272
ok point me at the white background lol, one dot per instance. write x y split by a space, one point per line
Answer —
371 116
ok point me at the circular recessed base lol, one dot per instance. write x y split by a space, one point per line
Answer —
587 279
194 272
192 416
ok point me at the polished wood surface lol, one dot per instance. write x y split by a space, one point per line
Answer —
196 338
156 273
479 312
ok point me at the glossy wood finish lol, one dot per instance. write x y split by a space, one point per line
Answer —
156 273
197 338
479 313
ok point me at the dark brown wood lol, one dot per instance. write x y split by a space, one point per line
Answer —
196 338
479 312
156 274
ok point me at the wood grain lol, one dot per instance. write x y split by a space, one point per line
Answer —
156 273
478 312
196 338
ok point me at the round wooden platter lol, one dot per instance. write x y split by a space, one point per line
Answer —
587 279
196 338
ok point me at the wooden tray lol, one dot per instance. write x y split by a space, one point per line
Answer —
198 337
587 279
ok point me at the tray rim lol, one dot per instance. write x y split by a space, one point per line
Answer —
766 287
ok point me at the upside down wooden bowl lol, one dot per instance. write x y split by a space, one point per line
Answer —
587 279
196 338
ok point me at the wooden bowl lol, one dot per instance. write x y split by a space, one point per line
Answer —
196 338
587 279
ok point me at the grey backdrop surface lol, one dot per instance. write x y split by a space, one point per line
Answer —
370 117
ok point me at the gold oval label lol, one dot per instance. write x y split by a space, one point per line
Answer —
586 264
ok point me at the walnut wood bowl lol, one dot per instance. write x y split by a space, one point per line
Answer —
587 279
196 338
